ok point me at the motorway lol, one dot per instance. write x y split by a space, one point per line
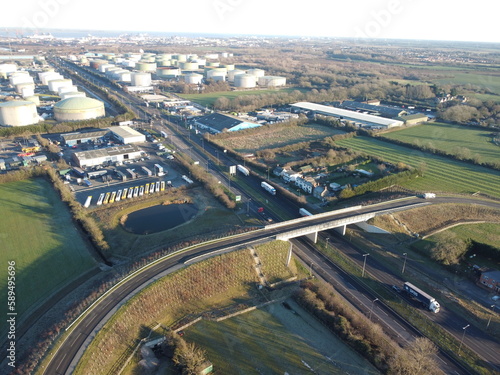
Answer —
88 325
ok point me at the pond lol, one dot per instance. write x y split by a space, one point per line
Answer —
159 218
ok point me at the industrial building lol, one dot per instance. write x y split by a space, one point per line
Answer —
380 110
361 119
107 155
76 109
414 119
72 139
127 135
217 123
18 113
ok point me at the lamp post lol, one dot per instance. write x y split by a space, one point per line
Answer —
489 319
327 241
371 309
364 264
462 340
310 269
404 263
217 153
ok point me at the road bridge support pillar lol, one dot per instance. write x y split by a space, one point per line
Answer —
313 237
341 230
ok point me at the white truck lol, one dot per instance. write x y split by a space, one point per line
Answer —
243 170
429 195
425 299
269 188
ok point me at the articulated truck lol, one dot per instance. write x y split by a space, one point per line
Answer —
427 301
267 187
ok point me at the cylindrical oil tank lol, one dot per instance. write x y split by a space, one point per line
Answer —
103 67
216 75
201 62
213 63
141 79
232 73
180 58
164 56
51 77
272 81
44 73
256 72
55 84
76 109
20 77
164 62
145 66
72 94
129 63
193 78
26 87
168 72
245 80
8 68
228 66
34 99
216 71
18 113
190 66
149 59
63 89
111 71
124 76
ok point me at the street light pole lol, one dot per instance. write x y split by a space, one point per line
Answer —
327 242
463 336
404 263
364 264
310 269
371 309
489 319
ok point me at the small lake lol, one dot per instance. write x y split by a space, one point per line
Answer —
159 218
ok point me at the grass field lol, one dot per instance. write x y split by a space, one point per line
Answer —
441 174
276 136
208 100
37 233
450 138
274 340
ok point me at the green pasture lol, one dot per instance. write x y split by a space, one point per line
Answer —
273 340
441 174
451 139
209 99
482 78
37 233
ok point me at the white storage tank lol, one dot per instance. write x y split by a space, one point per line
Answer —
124 76
168 72
34 99
190 66
193 78
64 89
72 94
51 77
232 73
18 113
103 67
76 109
56 83
164 62
201 62
228 66
20 77
44 73
143 66
180 58
214 64
272 81
23 86
245 80
256 72
141 79
216 72
5 69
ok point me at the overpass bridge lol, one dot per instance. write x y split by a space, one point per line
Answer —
338 220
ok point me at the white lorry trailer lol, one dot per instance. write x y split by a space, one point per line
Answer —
427 300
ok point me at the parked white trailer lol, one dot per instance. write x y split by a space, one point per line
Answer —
427 300
101 198
147 171
304 212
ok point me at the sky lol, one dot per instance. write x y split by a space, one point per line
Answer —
399 19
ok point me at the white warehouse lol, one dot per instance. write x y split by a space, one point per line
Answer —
127 135
110 154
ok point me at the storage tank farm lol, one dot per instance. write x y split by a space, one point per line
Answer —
144 66
76 109
189 66
217 74
245 81
18 113
25 89
141 79
20 77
